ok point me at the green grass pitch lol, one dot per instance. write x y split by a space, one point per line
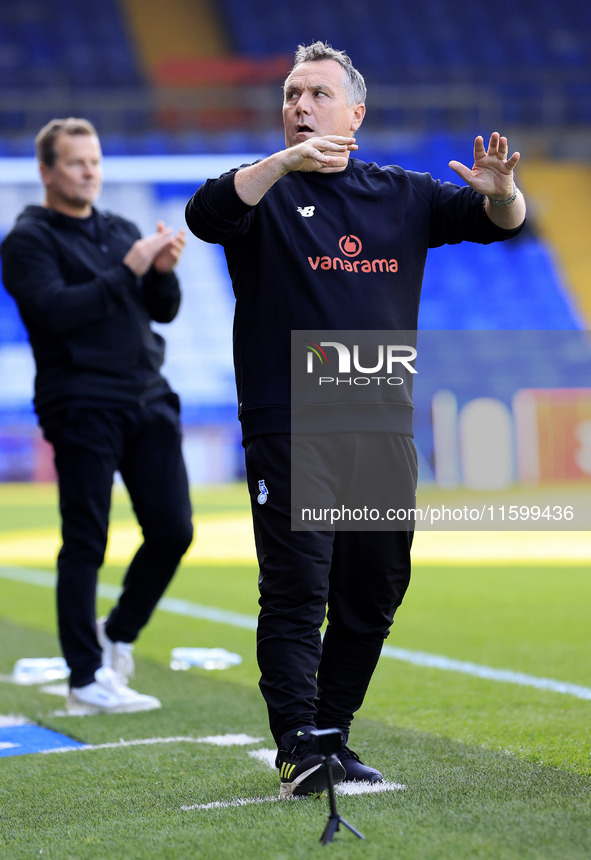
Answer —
491 769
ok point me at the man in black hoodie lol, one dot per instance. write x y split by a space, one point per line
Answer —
317 240
87 287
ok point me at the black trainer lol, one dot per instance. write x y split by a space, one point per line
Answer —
355 770
300 770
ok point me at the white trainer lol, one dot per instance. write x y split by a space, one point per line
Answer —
118 656
108 695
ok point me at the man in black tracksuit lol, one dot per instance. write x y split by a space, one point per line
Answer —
87 286
316 240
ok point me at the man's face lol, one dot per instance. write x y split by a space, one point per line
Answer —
315 103
74 182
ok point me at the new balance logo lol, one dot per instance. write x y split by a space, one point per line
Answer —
306 211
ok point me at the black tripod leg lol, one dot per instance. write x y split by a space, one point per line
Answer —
350 827
334 819
332 825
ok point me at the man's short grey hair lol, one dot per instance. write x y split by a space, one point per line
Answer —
354 84
45 140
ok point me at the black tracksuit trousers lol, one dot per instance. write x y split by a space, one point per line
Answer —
361 576
90 444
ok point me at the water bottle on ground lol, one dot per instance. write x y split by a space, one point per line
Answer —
182 659
39 670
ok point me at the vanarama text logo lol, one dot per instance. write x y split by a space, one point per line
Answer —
350 246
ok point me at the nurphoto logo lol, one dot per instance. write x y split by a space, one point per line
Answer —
387 357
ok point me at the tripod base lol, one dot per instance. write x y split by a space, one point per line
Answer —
332 825
334 819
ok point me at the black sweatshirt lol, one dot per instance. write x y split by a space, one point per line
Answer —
86 313
326 251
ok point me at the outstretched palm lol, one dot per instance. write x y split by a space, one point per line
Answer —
492 173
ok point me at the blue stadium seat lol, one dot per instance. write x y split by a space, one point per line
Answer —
12 329
64 42
399 43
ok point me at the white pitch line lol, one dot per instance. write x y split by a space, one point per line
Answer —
352 788
239 740
167 604
368 787
9 721
247 622
218 740
268 756
447 664
239 801
265 755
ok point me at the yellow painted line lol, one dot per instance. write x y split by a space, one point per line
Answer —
29 546
25 495
500 547
228 539
558 195
219 540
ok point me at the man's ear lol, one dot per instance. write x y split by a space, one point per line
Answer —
358 114
45 173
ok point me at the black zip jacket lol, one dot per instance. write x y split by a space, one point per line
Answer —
87 314
329 251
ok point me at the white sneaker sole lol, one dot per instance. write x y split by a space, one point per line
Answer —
76 708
